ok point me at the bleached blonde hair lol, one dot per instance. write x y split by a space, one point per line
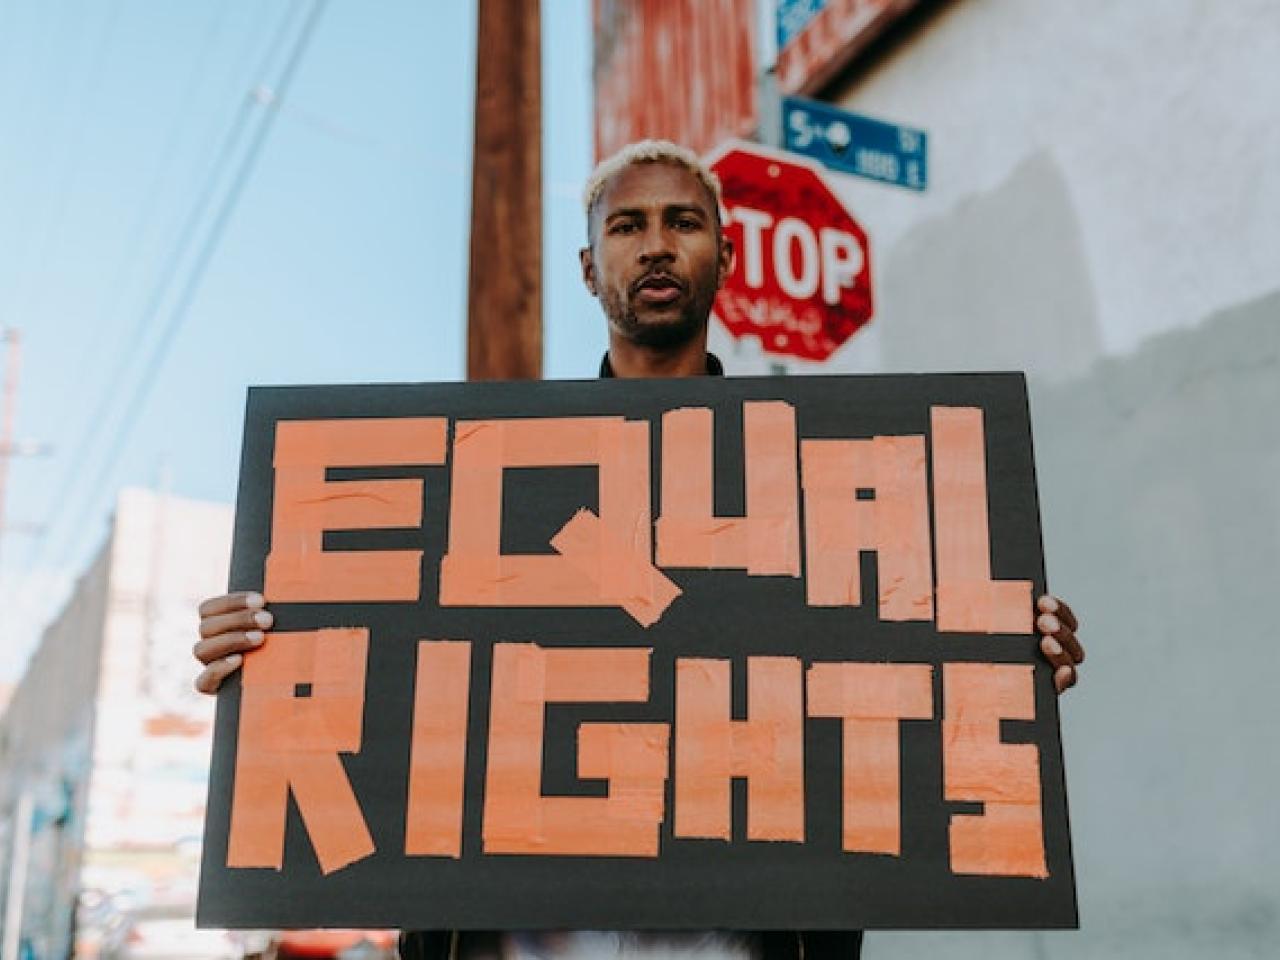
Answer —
647 151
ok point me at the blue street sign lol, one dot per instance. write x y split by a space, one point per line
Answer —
794 16
858 145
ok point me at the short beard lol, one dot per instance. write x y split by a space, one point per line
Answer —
664 335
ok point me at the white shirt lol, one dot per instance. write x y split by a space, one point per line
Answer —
629 944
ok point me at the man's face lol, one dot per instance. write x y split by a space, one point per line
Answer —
657 256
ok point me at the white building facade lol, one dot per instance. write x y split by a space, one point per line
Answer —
105 742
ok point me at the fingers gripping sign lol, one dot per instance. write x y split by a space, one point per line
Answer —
1057 626
230 626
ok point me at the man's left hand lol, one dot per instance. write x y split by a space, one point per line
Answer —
1057 627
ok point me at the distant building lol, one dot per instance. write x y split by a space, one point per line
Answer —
104 749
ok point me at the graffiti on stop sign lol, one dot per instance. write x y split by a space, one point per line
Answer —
801 281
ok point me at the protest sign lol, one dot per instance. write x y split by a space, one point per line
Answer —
744 653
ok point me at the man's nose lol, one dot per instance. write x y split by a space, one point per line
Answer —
656 244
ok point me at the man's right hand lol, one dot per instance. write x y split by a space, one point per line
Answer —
230 626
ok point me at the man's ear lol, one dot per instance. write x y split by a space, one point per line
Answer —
588 269
725 266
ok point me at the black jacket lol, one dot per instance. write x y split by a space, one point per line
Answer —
778 945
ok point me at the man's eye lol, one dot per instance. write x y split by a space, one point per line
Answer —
623 226
688 223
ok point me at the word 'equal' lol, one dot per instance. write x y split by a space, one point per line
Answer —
860 495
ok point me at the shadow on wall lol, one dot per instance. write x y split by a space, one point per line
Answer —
999 283
1159 475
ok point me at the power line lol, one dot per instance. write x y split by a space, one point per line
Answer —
69 159
185 238
9 398
208 247
90 354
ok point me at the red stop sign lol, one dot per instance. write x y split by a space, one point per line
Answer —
801 280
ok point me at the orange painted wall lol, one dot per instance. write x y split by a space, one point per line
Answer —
681 70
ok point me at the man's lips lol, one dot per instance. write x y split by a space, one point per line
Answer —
657 288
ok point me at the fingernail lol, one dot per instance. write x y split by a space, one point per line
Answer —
254 636
263 619
1051 647
1049 623
233 660
255 601
1049 604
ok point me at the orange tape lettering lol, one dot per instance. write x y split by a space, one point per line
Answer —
298 568
969 601
895 524
872 699
767 749
290 738
632 757
764 542
433 822
603 560
1007 839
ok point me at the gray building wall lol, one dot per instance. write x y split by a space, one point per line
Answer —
1159 474
105 731
46 738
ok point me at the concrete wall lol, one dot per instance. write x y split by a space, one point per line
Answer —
1159 474
45 749
1104 212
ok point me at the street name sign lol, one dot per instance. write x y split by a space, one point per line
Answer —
854 144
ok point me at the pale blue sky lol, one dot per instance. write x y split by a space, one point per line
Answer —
344 260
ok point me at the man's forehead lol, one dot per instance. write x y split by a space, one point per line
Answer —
655 185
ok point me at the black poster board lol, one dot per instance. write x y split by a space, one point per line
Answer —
793 621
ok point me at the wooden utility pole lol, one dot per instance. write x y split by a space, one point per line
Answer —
504 323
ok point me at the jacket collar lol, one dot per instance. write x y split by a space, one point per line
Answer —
714 367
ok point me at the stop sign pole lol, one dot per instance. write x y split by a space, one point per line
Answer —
801 280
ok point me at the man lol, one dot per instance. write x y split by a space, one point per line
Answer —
656 256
